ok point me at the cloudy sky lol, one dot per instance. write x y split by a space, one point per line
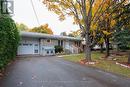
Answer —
23 13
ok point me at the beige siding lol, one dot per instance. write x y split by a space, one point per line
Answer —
51 43
68 45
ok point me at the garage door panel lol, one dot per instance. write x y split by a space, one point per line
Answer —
25 49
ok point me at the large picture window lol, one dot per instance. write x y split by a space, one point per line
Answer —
60 42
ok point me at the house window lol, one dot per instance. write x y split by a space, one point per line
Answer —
48 41
47 52
36 44
30 44
60 42
51 51
25 44
36 51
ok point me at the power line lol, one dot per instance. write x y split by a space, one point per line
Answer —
35 12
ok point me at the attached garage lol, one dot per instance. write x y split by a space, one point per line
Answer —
28 46
25 49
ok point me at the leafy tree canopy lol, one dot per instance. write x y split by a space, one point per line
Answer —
22 27
84 12
42 29
75 33
122 27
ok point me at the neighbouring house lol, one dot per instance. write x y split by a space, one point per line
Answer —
44 44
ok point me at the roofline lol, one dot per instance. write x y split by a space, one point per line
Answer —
41 35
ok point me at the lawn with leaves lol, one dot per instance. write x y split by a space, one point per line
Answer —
107 65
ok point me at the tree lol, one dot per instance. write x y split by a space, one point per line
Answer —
22 27
123 23
122 38
122 28
75 33
42 29
84 12
107 22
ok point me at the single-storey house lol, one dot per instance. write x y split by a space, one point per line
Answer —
44 44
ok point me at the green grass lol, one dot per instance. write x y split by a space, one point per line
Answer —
106 65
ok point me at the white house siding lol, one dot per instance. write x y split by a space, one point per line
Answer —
67 44
71 47
34 44
47 48
51 43
28 46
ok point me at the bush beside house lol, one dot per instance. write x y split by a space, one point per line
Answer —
58 49
9 38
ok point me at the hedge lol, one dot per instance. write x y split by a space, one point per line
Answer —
9 39
58 49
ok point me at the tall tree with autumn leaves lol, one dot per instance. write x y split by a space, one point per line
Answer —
107 21
84 12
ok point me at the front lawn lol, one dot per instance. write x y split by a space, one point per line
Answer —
107 65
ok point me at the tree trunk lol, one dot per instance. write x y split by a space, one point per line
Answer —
107 47
117 48
101 50
129 58
88 48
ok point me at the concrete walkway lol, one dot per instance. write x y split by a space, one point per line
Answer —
56 72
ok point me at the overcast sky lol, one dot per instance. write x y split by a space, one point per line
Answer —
23 13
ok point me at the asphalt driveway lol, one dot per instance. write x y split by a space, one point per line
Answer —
56 72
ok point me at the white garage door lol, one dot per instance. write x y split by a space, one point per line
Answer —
25 49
